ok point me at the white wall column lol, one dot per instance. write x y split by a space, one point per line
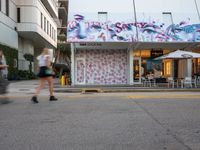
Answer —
73 63
189 67
131 66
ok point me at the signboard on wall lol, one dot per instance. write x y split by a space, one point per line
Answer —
156 53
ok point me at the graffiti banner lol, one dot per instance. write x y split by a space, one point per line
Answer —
80 29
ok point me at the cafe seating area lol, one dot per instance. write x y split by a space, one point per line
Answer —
170 82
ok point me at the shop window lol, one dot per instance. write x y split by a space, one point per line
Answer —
167 68
136 53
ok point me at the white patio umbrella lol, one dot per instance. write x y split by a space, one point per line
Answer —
179 54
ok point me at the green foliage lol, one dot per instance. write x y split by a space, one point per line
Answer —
11 56
64 49
29 57
62 37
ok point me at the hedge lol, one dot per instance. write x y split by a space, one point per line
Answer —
11 56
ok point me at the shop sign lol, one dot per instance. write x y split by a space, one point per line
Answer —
156 53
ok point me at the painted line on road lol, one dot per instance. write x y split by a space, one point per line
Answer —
164 96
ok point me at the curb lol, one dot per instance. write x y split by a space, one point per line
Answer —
104 90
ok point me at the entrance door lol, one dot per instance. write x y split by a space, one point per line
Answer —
137 70
80 71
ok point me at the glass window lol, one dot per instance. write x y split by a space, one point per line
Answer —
167 68
7 7
54 35
45 24
47 27
0 5
41 21
18 15
50 30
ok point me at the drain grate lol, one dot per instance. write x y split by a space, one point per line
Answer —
92 90
24 89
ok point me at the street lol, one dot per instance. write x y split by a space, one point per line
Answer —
102 121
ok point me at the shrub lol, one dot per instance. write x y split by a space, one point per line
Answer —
11 56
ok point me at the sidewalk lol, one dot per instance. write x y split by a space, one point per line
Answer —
28 87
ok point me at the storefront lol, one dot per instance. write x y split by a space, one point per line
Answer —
118 45
145 65
123 64
100 64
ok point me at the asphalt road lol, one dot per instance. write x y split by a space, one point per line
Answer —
112 121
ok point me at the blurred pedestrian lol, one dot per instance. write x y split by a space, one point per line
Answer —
3 76
45 74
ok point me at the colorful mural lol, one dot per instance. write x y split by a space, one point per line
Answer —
81 30
80 71
103 66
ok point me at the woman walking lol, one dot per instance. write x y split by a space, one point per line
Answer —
45 74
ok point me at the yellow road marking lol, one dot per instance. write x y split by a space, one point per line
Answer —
164 96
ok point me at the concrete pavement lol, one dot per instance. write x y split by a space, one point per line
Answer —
101 121
28 88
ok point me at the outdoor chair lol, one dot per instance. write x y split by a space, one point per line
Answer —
188 82
151 80
197 81
145 82
170 82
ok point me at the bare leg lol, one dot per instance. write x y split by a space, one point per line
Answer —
50 82
40 86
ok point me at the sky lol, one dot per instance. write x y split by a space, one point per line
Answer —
127 5
101 5
144 8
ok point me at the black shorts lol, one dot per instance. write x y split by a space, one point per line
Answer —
44 72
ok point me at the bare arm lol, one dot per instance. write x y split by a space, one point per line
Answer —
3 66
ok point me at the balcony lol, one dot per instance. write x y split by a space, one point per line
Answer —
62 11
38 36
52 7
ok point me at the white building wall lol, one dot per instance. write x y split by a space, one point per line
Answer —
53 5
198 4
25 47
30 17
31 20
8 35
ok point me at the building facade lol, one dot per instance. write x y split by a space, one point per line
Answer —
116 42
28 26
62 56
